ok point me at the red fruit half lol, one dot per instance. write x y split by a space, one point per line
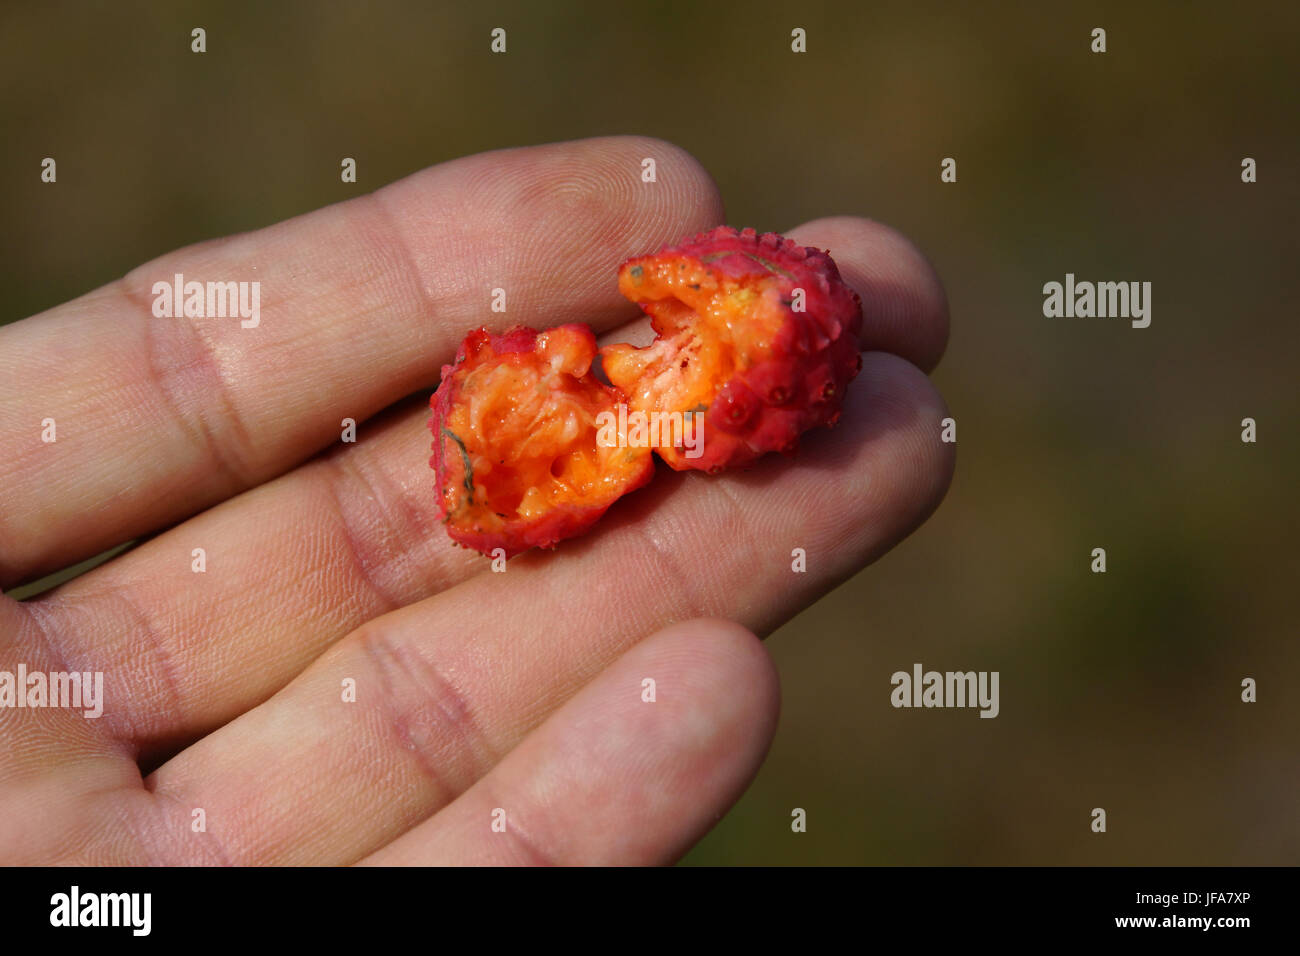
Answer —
515 440
756 332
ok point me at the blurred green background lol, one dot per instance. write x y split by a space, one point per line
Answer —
1118 690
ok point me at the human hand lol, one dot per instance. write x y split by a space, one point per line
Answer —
226 735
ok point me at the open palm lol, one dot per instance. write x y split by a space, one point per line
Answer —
297 665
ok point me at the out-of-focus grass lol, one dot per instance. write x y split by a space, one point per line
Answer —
1118 690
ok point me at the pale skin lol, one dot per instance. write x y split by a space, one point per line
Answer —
325 562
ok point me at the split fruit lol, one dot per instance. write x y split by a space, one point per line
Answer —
757 339
515 448
754 331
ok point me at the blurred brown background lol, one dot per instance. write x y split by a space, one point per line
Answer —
1118 690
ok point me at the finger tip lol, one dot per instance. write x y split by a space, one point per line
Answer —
900 414
722 652
904 303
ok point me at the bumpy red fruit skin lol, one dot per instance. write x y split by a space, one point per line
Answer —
783 371
484 530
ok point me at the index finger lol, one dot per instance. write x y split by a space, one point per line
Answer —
155 418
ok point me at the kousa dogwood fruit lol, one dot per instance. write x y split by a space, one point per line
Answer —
756 342
756 332
515 450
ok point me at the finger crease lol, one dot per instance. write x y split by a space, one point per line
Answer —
117 722
412 273
670 568
521 839
439 726
738 527
207 385
130 724
354 537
